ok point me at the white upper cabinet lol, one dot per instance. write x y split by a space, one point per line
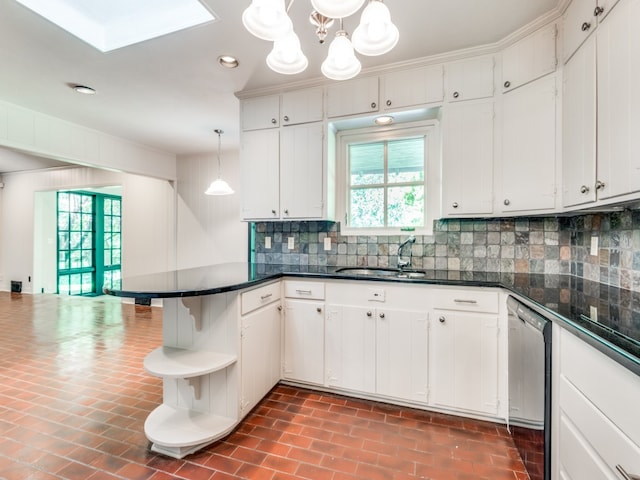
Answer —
352 97
580 19
467 158
532 57
469 79
408 88
618 59
302 106
579 127
259 159
260 112
528 162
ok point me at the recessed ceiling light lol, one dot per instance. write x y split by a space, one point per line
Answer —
84 89
117 23
227 61
384 120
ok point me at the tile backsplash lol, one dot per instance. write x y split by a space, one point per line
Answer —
522 245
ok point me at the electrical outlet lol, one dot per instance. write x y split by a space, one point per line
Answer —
267 242
291 243
593 313
327 243
594 246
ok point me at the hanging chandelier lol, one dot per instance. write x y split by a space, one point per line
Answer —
375 35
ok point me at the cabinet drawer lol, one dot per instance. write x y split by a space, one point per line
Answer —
467 300
310 290
254 299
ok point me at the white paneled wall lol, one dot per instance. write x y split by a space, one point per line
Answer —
148 217
209 227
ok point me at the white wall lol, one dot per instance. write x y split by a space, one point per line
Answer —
148 219
209 227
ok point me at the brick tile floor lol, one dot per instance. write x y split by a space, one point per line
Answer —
74 397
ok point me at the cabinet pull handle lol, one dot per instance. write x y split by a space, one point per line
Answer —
625 475
279 308
456 94
264 297
507 84
388 103
286 211
600 185
442 319
319 310
585 26
381 315
584 189
374 104
274 121
369 314
286 118
507 201
462 300
273 212
598 11
454 204
303 292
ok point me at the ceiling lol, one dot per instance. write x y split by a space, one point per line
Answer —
170 93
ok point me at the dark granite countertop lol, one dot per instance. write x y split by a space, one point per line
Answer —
564 298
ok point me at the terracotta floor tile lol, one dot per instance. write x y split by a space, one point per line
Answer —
74 398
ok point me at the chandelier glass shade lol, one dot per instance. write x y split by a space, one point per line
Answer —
375 35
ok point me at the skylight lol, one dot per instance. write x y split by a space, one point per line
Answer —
111 24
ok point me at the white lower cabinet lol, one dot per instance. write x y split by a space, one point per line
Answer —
260 335
596 413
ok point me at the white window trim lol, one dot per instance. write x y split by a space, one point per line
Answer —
430 129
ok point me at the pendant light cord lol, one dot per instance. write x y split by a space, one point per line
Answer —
219 132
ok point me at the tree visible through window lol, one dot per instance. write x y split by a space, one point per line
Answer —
387 183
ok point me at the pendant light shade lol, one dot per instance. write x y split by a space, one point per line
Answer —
267 19
337 8
376 34
219 186
341 62
286 56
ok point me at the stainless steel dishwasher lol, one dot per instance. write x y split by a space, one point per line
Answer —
530 387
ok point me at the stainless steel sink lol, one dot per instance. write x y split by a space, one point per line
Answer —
382 272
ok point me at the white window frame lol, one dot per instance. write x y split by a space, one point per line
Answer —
428 129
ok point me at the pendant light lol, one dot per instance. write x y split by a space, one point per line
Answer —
267 19
341 62
287 57
376 34
219 186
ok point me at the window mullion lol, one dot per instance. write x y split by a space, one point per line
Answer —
386 183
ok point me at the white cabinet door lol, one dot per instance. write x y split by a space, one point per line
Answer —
579 127
259 157
301 171
407 88
618 58
352 97
463 361
578 23
532 57
351 348
261 363
260 112
529 147
469 79
467 158
302 106
401 354
304 341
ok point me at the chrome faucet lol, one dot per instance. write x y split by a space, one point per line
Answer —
405 263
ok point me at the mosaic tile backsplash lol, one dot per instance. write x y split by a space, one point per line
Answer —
554 245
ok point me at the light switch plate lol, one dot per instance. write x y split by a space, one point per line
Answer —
594 246
291 243
327 243
376 295
267 242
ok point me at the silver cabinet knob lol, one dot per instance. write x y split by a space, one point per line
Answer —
319 310
507 84
584 189
585 26
369 314
274 121
442 319
598 11
286 118
273 212
454 204
600 185
279 308
381 315
374 104
507 201
456 94
388 103
286 211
